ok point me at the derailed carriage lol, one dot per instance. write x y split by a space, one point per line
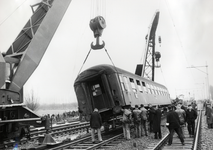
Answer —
101 86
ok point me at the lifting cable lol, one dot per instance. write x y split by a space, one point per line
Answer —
84 61
88 56
109 58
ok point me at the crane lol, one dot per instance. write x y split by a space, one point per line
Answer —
19 62
147 69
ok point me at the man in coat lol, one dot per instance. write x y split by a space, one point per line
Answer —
150 117
182 116
95 124
143 119
137 121
209 115
191 116
127 117
156 122
173 124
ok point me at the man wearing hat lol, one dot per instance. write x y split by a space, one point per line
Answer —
137 121
191 116
173 124
209 116
157 122
95 124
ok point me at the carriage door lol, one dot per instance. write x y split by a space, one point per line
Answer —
125 89
99 96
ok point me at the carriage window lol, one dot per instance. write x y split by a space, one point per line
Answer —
144 86
152 89
149 89
167 93
139 86
126 84
122 83
160 90
164 92
132 82
156 90
96 90
133 87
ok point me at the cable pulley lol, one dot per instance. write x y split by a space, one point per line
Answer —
97 25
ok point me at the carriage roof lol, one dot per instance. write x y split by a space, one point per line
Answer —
108 69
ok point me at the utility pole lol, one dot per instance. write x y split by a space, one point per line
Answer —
207 77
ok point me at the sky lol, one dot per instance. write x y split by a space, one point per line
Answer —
185 27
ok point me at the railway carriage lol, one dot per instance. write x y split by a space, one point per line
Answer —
101 86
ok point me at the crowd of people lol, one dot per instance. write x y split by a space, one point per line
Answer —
48 120
177 117
147 120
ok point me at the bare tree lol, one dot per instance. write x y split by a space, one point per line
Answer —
31 101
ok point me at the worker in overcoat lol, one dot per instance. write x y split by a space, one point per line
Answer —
157 122
143 120
182 116
191 116
209 115
137 121
150 117
95 124
126 121
173 124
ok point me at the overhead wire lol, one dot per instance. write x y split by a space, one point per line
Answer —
12 13
179 39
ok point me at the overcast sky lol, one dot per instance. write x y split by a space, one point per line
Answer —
185 27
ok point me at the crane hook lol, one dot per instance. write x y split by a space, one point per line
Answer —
97 25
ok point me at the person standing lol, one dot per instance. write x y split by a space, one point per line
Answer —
137 121
143 119
127 116
209 115
27 131
173 124
182 116
191 116
156 122
150 117
95 124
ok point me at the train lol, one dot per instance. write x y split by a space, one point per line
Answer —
103 86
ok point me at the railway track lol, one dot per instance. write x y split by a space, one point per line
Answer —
190 143
68 129
62 128
110 139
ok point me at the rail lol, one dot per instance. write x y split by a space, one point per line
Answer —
195 141
198 129
161 143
